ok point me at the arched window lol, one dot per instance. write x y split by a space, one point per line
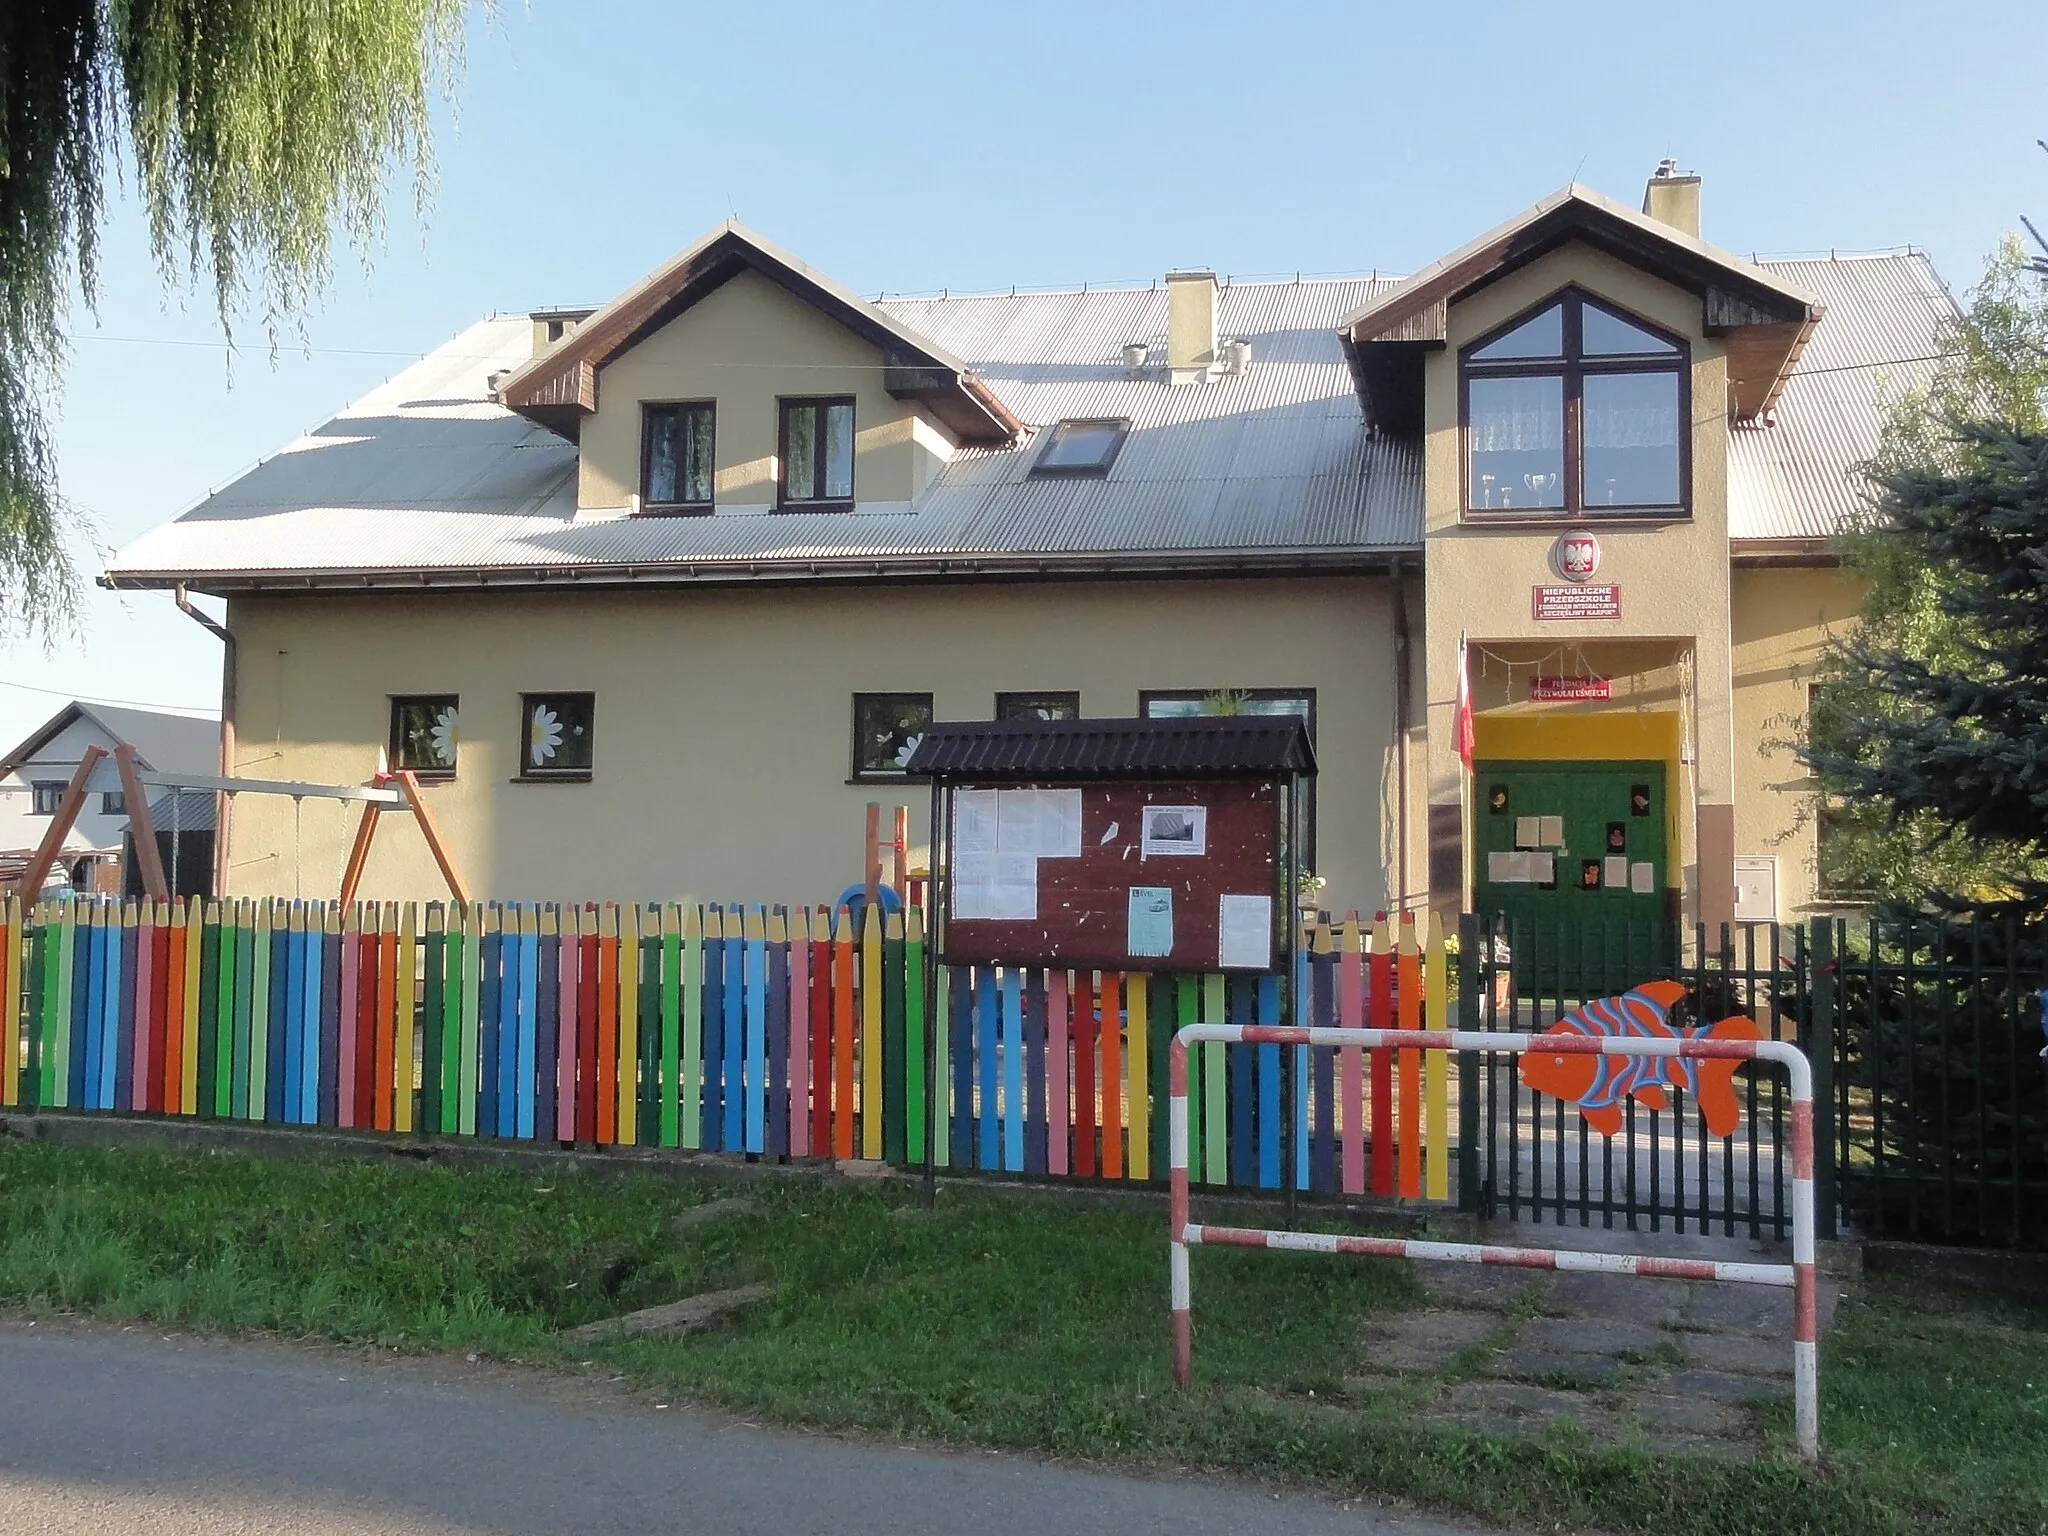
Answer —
1576 408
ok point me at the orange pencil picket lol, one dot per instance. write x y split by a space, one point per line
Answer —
1408 1140
842 1034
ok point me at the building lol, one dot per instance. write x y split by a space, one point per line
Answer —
34 776
656 595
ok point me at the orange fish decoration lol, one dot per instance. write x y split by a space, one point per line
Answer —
1598 1084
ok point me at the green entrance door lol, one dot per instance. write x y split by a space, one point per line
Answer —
1571 857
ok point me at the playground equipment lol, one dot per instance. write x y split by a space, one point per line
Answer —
1798 1276
376 798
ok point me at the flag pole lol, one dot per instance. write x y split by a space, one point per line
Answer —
1461 736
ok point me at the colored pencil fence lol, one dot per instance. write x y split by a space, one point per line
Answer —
782 1033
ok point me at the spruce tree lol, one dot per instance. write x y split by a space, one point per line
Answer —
1958 737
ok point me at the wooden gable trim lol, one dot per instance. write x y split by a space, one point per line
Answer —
559 387
1766 329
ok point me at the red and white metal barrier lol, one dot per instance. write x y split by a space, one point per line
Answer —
1798 1276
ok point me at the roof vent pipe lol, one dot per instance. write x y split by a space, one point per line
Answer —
1237 356
1190 326
1136 354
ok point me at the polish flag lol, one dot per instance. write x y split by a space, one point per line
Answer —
1463 728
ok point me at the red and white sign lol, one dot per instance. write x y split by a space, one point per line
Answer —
1577 555
1575 602
1564 690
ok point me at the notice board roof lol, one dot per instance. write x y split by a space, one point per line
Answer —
1198 747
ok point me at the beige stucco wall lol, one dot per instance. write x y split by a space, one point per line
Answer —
723 719
745 345
1781 619
1673 576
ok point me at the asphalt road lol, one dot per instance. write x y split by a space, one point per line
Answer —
114 1432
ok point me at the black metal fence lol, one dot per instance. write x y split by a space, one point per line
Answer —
1940 1092
1931 1091
1530 1155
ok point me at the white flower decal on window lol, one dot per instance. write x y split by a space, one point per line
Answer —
904 752
544 735
442 738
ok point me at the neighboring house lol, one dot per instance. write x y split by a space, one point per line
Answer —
656 596
34 776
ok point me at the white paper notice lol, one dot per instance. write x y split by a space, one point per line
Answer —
1528 831
973 879
1060 824
974 821
1551 834
1614 873
1542 868
1017 821
1504 868
1642 878
1178 831
1244 933
1150 922
1013 892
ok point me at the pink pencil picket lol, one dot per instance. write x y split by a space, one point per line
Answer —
1059 1113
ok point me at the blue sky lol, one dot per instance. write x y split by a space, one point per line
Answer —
915 147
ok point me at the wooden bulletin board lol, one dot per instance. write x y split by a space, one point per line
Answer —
1082 911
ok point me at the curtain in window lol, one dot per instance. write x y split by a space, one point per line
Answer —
1517 415
1631 410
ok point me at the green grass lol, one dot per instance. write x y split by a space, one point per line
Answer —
994 1322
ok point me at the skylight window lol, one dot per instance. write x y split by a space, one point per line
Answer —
1082 447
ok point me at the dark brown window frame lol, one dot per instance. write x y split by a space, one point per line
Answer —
399 701
1147 696
652 508
113 802
46 796
1572 368
858 774
1071 697
784 404
529 774
1122 424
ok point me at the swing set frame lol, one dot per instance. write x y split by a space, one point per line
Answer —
376 797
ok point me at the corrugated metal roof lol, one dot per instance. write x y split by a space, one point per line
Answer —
1886 320
425 477
1208 746
184 810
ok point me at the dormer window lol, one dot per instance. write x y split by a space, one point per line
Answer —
816 456
1082 447
676 444
1576 408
